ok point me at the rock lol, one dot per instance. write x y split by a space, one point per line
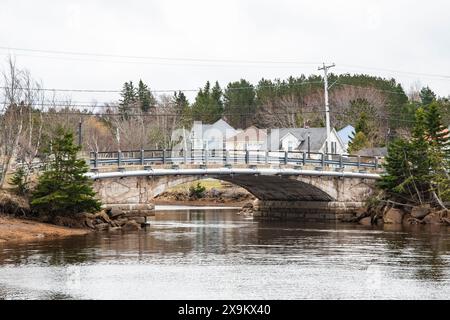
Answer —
115 229
85 215
393 216
103 216
446 221
115 213
131 226
365 221
361 213
248 205
420 212
432 218
140 220
443 213
121 222
102 226
89 224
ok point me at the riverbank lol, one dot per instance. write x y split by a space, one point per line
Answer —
14 229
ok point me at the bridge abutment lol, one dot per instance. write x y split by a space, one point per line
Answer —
305 210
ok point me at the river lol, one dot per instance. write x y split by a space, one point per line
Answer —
212 253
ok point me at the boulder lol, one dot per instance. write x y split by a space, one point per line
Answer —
361 213
102 215
432 218
115 229
393 216
115 212
420 212
366 221
140 220
443 213
102 227
131 226
121 222
89 224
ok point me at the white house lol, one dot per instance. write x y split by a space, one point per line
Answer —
211 136
305 139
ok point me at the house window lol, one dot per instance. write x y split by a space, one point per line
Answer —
333 148
290 145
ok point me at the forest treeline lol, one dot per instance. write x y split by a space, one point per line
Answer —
379 108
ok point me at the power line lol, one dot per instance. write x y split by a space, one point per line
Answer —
107 55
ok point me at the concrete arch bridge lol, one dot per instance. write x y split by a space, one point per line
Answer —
288 185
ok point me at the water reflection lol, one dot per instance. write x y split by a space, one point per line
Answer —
217 254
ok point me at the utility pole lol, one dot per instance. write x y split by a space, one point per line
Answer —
327 105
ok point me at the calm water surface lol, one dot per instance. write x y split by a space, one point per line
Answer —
216 254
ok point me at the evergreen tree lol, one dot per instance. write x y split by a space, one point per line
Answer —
240 103
63 189
358 142
208 105
427 96
145 97
438 139
20 181
407 166
128 99
182 108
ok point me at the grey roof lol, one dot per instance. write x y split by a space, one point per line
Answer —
318 137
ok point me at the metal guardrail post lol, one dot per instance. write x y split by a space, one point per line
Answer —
227 157
96 159
142 157
359 161
304 158
185 156
285 157
323 159
376 163
206 156
247 157
164 156
341 161
267 156
119 158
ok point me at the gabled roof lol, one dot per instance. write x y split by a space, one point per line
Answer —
346 134
317 136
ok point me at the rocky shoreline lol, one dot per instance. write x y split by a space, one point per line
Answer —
394 214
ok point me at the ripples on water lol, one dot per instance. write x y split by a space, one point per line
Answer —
215 254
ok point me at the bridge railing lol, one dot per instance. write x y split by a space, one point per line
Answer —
230 157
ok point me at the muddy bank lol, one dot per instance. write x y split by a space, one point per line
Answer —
14 229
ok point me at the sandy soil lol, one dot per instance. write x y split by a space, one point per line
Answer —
12 229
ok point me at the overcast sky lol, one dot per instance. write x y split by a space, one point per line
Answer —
411 37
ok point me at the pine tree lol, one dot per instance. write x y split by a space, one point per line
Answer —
358 142
182 108
427 96
128 99
20 181
240 104
145 97
63 189
208 105
438 139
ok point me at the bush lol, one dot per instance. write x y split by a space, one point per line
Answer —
197 192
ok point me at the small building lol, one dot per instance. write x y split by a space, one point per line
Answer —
312 140
252 139
211 136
